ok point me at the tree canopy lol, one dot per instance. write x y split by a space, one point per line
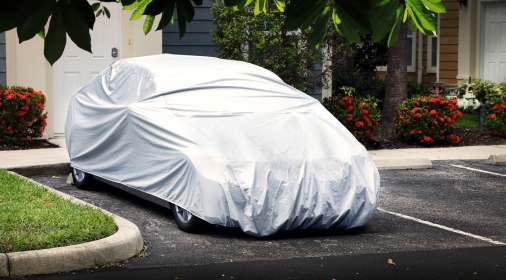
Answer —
381 18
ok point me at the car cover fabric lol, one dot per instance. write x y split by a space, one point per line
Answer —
226 140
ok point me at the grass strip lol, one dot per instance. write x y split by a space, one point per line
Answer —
33 218
467 120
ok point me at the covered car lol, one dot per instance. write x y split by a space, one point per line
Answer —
225 141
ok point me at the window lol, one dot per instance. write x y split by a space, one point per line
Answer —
432 52
410 51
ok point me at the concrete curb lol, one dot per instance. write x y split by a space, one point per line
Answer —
404 163
124 244
47 169
496 160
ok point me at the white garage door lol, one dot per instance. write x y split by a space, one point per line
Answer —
494 42
77 67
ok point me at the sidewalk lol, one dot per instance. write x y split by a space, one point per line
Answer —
384 159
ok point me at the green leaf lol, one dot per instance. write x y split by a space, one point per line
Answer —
280 4
347 31
148 23
167 15
56 38
379 13
42 33
320 28
127 2
381 30
353 15
260 7
95 6
435 5
99 13
424 18
156 7
181 21
187 10
86 12
107 13
137 14
304 15
76 27
37 15
392 37
132 6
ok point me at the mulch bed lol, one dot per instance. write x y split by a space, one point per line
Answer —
34 144
468 137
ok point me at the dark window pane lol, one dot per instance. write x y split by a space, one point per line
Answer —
409 51
433 57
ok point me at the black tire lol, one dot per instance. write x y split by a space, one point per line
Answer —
185 220
82 180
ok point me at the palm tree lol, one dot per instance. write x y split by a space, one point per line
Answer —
396 81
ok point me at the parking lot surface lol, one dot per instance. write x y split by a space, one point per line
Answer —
450 218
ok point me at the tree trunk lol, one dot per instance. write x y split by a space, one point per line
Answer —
396 82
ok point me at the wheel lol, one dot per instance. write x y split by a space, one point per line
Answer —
82 180
185 220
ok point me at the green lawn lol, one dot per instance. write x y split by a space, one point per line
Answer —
468 120
31 218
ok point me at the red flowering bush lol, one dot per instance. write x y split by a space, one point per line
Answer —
495 121
21 114
427 120
358 114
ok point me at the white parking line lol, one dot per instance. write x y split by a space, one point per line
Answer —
444 227
479 170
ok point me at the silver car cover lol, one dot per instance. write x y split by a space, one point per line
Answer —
226 140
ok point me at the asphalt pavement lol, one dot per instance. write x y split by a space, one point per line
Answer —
441 223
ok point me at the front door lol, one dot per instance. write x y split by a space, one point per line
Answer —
494 42
77 67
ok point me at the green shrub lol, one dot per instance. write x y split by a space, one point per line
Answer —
495 120
427 120
414 89
358 114
21 114
482 89
263 41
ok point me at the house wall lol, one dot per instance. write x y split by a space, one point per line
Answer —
197 40
3 63
449 43
27 65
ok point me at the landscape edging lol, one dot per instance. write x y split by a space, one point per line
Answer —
124 244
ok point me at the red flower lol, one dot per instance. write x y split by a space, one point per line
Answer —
412 132
21 113
406 109
496 107
416 102
365 112
492 116
432 112
459 113
350 108
427 139
350 117
362 105
39 105
10 131
359 124
415 109
25 107
418 115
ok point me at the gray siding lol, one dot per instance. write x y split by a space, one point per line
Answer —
197 40
3 66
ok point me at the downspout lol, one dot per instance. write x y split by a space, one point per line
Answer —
420 46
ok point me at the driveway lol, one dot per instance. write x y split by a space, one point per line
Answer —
455 209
